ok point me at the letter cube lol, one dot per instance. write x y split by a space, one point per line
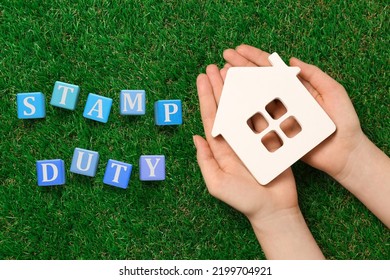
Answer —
31 105
152 168
65 95
132 102
97 108
117 174
84 162
168 112
50 172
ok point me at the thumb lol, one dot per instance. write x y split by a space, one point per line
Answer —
207 163
325 85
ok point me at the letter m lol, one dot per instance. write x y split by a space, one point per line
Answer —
132 102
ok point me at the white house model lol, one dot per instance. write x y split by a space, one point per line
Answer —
249 92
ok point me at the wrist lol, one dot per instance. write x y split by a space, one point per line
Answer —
345 158
354 159
269 223
367 177
285 235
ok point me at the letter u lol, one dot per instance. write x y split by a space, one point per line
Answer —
80 157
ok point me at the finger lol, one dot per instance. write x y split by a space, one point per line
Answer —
216 81
224 70
236 59
207 163
272 141
223 73
319 80
309 87
290 127
208 106
208 109
254 55
276 109
257 123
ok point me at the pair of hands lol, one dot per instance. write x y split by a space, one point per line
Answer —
227 178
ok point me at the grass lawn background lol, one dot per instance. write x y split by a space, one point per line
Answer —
161 46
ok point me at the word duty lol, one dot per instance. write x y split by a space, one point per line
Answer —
84 162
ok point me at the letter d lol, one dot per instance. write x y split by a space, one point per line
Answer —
45 177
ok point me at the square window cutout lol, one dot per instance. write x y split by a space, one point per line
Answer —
272 141
276 108
290 127
257 123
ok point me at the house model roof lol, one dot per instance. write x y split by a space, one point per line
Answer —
249 92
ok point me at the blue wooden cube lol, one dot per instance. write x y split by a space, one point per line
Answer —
132 102
84 162
65 95
152 168
31 105
50 172
168 112
97 108
117 174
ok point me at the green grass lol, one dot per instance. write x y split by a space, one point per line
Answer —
161 46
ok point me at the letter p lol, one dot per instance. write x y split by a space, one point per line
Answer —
168 112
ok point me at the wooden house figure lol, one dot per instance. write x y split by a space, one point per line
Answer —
248 92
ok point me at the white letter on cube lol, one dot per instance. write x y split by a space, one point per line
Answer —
50 172
152 168
31 105
117 174
84 165
97 108
132 102
168 112
65 95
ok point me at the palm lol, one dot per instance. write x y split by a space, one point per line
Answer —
225 175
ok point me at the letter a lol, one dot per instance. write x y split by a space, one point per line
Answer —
99 104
